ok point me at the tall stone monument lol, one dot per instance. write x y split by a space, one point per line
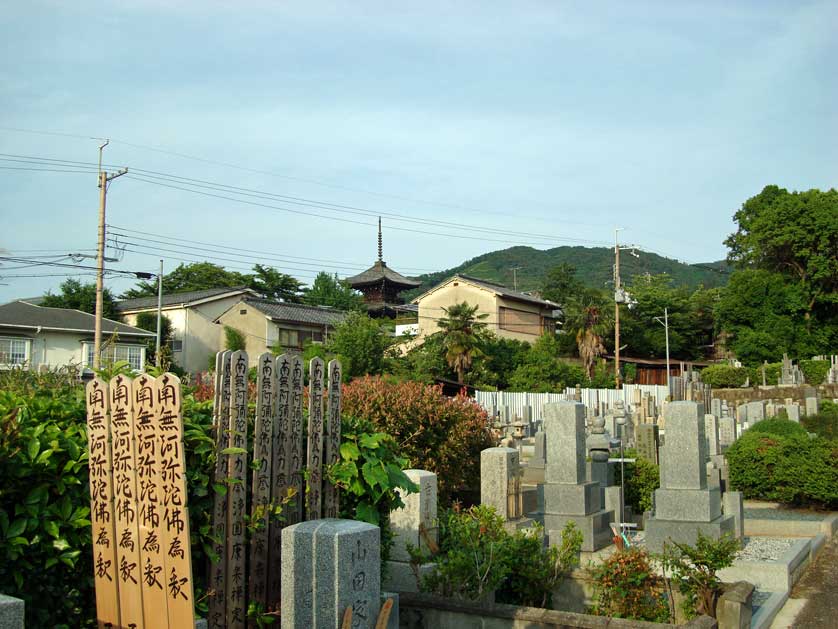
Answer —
500 485
684 504
566 494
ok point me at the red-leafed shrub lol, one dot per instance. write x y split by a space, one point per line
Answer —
436 433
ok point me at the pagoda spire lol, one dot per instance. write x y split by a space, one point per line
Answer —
380 247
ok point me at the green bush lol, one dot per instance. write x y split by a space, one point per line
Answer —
642 479
772 374
724 376
814 371
825 423
626 585
790 468
478 556
778 426
234 339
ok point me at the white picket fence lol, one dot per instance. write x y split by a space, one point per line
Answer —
592 398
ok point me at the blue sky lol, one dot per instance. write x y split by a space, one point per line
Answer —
559 121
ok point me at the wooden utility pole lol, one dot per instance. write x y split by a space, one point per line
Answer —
104 178
618 378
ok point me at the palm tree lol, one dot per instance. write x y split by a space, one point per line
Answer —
462 335
588 318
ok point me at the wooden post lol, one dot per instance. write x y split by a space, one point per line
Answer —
263 433
331 495
237 494
127 507
296 453
150 481
217 615
315 439
176 545
280 471
101 504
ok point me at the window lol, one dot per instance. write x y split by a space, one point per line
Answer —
134 354
520 321
177 346
289 338
14 351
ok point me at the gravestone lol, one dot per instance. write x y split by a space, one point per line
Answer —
327 567
539 457
684 504
770 410
756 412
733 505
742 413
415 525
647 441
711 432
500 485
567 495
812 405
793 411
727 432
716 407
316 430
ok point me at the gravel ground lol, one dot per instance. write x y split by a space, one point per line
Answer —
764 548
782 514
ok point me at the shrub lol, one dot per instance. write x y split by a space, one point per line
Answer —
790 468
642 479
825 423
543 372
724 376
435 433
814 371
778 426
233 340
627 586
772 374
478 556
694 570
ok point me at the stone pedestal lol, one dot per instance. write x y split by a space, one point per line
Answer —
684 504
567 495
327 566
414 525
500 485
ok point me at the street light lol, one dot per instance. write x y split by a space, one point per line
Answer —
665 324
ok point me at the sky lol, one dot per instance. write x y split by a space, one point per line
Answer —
277 132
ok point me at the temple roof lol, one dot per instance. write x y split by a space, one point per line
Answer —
379 272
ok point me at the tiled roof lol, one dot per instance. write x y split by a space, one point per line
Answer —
379 271
300 313
20 314
499 289
174 299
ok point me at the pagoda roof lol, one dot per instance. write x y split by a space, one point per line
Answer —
381 272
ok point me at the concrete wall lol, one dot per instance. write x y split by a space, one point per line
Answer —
254 326
430 309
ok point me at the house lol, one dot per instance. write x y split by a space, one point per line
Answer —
511 314
266 324
195 336
34 337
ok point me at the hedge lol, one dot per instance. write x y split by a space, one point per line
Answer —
724 376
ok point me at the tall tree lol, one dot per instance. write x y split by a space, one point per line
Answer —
360 342
561 285
189 277
795 234
274 285
328 290
589 320
82 297
463 334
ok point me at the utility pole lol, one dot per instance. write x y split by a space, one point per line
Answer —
665 324
104 178
157 360
515 277
618 377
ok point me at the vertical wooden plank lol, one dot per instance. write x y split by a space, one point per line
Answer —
101 504
126 507
261 488
331 496
315 439
296 453
237 494
279 471
150 487
176 545
217 614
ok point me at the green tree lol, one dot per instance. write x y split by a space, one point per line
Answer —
328 290
148 321
542 371
361 344
82 297
234 340
794 234
272 284
188 277
561 285
588 320
463 335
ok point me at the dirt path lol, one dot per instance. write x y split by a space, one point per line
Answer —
819 585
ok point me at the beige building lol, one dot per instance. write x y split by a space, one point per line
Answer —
195 335
511 314
266 324
37 337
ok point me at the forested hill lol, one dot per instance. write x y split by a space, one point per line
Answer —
594 267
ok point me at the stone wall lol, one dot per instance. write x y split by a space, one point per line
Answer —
778 394
423 611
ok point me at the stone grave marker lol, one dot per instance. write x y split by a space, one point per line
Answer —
315 439
648 441
236 602
331 499
500 485
414 525
711 433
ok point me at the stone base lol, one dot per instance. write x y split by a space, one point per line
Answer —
582 499
401 578
659 531
518 525
688 505
595 528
